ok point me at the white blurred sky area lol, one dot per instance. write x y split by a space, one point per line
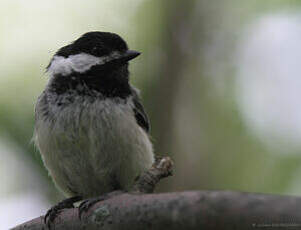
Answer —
22 191
269 80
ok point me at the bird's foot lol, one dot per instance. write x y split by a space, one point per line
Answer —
88 203
55 210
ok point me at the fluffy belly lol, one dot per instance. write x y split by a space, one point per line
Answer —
91 149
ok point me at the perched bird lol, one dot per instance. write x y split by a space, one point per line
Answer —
90 126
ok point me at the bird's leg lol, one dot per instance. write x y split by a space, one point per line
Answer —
145 183
55 210
88 203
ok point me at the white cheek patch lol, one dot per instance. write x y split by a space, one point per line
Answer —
79 63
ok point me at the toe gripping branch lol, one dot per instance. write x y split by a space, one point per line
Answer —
55 210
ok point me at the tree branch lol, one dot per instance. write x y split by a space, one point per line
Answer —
182 210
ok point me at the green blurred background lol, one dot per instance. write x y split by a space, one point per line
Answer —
220 81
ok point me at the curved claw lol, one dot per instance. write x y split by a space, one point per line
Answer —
87 204
55 210
51 215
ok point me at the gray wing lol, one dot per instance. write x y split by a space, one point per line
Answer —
139 112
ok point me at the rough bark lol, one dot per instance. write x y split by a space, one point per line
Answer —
183 210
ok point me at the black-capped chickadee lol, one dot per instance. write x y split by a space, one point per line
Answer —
90 126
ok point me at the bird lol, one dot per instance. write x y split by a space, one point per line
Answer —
91 128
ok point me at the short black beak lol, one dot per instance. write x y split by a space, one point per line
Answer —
122 58
129 55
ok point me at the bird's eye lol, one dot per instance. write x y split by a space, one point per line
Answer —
94 51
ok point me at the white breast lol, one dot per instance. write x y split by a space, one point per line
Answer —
91 148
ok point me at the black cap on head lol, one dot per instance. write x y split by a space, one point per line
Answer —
95 43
